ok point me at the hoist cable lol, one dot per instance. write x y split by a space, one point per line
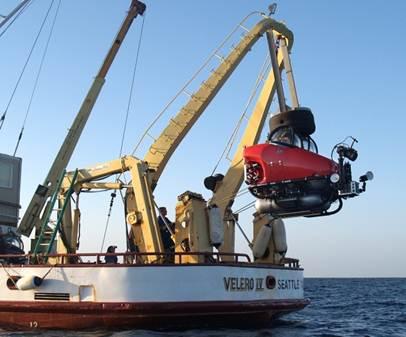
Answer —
79 222
113 195
3 117
246 207
131 95
37 77
259 79
250 244
22 9
127 236
233 136
234 195
132 86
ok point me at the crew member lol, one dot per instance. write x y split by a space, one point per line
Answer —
111 258
164 223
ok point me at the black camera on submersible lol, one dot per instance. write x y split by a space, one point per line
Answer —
347 152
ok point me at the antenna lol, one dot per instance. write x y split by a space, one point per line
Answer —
272 8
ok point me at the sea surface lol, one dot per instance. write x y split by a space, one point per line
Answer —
339 307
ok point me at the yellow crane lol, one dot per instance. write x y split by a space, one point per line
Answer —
32 216
193 216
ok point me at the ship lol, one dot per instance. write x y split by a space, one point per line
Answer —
198 280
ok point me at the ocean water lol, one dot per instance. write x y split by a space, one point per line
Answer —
374 307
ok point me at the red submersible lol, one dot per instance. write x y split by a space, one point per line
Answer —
290 178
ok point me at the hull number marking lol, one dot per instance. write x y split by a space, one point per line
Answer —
33 324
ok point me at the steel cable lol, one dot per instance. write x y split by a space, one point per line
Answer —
21 11
37 78
3 117
113 195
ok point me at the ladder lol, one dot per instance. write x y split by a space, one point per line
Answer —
44 242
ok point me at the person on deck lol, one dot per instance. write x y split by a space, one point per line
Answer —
164 223
111 258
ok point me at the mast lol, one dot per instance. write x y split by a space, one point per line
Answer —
31 217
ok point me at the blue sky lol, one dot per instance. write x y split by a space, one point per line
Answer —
349 65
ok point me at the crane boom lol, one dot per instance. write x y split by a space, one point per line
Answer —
162 149
31 217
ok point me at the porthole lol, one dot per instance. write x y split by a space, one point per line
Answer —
270 282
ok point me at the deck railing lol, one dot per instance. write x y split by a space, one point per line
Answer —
132 258
128 258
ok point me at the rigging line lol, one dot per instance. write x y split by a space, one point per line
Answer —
79 222
9 276
159 115
127 241
22 10
37 78
250 244
233 136
113 195
47 273
260 77
131 95
234 195
132 86
246 207
3 117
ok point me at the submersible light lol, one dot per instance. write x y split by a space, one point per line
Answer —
334 178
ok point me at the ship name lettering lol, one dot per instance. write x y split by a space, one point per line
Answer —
289 284
243 284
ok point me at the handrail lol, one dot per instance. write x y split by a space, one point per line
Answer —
37 259
76 259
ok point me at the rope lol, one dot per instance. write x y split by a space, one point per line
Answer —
37 78
244 115
127 233
47 273
242 232
233 136
79 223
246 207
159 115
132 86
8 274
131 95
113 195
3 117
234 195
22 9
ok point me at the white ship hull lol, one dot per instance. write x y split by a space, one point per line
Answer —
149 296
